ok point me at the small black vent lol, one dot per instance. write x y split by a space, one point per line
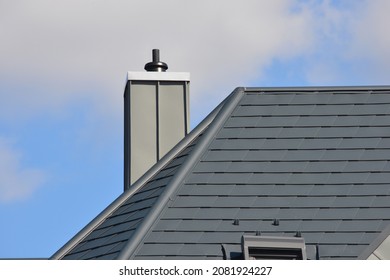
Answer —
156 65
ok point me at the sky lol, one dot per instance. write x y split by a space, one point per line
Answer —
63 67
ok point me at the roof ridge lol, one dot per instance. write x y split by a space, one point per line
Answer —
227 106
318 88
136 186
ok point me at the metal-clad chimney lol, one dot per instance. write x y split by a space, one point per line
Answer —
156 116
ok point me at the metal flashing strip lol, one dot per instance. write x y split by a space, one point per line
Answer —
132 246
375 244
136 186
318 88
158 76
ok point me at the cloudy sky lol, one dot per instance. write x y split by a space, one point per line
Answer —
63 66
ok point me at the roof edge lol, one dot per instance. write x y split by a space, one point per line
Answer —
134 243
136 186
375 244
317 88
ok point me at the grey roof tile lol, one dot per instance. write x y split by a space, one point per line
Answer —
374 213
174 237
316 159
359 225
160 249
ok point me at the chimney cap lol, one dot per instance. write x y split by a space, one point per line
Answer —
156 65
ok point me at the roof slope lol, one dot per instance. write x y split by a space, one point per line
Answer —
316 159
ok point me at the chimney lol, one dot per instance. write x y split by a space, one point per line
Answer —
156 116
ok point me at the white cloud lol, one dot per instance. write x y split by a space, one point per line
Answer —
66 50
16 182
370 42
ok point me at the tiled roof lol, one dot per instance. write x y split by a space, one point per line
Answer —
316 159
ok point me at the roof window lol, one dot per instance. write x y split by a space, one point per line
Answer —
273 248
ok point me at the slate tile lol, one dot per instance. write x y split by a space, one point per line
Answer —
254 133
224 155
255 213
99 251
373 213
302 155
369 189
165 225
354 120
378 178
343 155
331 189
359 225
75 256
201 250
267 99
160 249
381 120
216 213
338 132
325 166
353 201
198 225
370 109
199 178
174 237
364 166
297 213
237 144
354 250
212 167
232 202
294 110
206 189
241 122
347 178
245 111
338 213
311 98
381 201
332 110
229 178
342 238
264 155
316 120
194 201
319 225
384 143
299 132
244 226
374 131
220 237
348 98
308 178
320 143
379 97
268 178
227 133
331 250
277 121
281 144
110 256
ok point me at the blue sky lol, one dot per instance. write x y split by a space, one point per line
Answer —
62 73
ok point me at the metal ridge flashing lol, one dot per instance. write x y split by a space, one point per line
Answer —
135 187
318 88
134 243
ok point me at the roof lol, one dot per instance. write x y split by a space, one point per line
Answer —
316 159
